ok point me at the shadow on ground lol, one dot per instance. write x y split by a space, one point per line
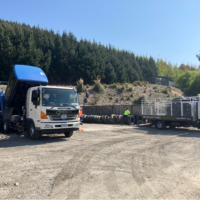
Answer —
14 140
181 132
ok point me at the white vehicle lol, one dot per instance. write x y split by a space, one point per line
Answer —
29 105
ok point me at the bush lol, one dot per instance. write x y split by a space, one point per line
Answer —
87 86
127 85
98 87
110 98
116 100
105 86
145 90
130 89
140 83
138 100
157 90
80 88
165 91
123 98
114 85
128 98
132 95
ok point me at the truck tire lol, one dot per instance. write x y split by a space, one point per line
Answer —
6 126
160 125
33 133
68 134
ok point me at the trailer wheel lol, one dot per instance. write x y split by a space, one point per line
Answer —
6 127
68 134
34 134
160 125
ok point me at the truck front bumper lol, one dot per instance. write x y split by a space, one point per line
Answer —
50 131
58 127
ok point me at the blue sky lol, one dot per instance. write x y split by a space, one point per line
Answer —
167 29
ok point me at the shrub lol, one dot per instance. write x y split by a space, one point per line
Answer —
87 86
140 83
128 98
165 91
127 85
157 90
138 100
98 87
114 85
110 98
132 95
116 100
130 89
105 86
145 90
80 88
123 98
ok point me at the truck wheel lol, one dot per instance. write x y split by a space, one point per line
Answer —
34 134
68 134
6 127
160 125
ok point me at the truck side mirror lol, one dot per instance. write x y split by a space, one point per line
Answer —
35 96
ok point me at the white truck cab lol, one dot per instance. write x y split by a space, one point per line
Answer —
53 109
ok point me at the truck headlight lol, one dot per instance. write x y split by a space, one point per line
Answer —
78 124
48 126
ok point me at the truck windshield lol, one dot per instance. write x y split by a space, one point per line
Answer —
59 97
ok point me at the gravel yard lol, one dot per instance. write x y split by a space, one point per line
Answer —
102 162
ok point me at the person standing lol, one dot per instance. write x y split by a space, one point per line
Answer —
126 113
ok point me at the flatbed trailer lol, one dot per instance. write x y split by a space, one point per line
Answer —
172 112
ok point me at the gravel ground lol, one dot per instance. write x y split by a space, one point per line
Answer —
103 162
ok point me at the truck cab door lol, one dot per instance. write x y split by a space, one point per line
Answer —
34 102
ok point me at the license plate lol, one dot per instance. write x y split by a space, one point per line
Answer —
64 125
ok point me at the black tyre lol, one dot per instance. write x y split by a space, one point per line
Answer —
68 134
33 133
6 126
160 125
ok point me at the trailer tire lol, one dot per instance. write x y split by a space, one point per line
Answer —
6 126
34 134
68 134
160 125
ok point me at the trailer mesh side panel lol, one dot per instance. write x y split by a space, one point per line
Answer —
182 106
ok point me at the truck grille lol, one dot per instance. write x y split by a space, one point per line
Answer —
56 118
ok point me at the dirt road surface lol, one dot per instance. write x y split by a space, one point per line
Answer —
103 162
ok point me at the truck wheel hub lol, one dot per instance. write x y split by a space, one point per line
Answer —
159 124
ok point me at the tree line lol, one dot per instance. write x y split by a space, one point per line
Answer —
65 59
186 77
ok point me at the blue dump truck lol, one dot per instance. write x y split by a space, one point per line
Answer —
32 107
